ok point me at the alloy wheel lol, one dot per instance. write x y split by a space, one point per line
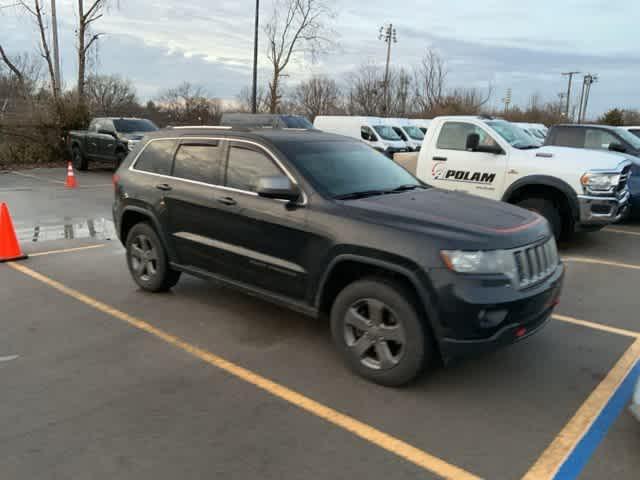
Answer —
144 258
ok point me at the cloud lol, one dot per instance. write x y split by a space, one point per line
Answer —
518 45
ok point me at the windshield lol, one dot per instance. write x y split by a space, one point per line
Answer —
414 132
513 134
338 168
629 137
292 121
129 125
387 133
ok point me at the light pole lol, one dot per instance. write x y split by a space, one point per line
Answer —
570 75
388 35
254 87
589 80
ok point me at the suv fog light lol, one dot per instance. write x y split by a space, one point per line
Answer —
491 318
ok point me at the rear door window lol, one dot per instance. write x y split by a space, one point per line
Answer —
569 137
199 162
246 166
157 157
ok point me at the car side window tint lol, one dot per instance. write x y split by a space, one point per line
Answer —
367 134
157 157
569 137
198 162
246 166
453 136
599 139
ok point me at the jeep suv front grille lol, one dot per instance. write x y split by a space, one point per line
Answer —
535 263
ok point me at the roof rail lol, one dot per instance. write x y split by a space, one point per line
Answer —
189 127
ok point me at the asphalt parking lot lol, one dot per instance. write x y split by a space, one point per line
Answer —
101 380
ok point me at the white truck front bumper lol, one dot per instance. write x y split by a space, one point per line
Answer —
601 211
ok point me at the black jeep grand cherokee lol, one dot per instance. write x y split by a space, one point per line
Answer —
326 225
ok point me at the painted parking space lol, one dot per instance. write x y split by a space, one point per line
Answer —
516 383
494 416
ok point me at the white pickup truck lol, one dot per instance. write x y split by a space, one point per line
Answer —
573 189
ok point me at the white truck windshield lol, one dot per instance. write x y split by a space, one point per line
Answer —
513 134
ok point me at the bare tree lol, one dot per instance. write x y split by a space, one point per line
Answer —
36 9
12 66
295 26
86 38
244 100
430 82
110 95
400 84
365 90
189 104
317 96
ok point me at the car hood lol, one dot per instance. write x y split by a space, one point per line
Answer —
136 136
475 222
580 157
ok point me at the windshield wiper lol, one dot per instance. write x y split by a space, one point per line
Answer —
363 194
404 188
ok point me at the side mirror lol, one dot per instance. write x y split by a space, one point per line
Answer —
367 136
107 132
473 140
617 147
279 187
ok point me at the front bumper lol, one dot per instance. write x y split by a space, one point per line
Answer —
601 211
465 307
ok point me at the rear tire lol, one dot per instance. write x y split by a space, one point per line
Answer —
78 159
147 260
548 210
378 331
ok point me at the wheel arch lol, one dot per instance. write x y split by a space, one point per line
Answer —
344 269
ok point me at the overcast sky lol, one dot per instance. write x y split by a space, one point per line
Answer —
519 45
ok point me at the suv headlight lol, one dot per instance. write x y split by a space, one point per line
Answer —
481 262
599 183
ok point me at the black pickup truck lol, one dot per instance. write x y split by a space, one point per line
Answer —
107 139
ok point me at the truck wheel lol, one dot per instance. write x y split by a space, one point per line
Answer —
79 161
547 209
147 260
378 331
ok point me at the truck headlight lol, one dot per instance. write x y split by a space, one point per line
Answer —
599 183
481 262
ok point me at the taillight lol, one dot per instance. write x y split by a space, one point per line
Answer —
115 179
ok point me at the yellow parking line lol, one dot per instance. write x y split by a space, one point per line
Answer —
597 261
596 326
356 427
619 230
68 250
555 455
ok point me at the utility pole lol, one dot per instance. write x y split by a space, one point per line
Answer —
570 75
581 100
388 35
507 100
56 48
589 80
254 87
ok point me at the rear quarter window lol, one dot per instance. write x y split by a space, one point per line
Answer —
157 157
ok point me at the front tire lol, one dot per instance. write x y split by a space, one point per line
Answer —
147 260
548 210
79 160
378 331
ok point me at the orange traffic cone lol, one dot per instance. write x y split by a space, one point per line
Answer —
71 178
9 246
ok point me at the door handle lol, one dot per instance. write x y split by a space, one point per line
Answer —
164 187
226 200
439 159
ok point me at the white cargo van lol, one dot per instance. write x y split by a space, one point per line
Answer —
373 131
405 128
422 124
